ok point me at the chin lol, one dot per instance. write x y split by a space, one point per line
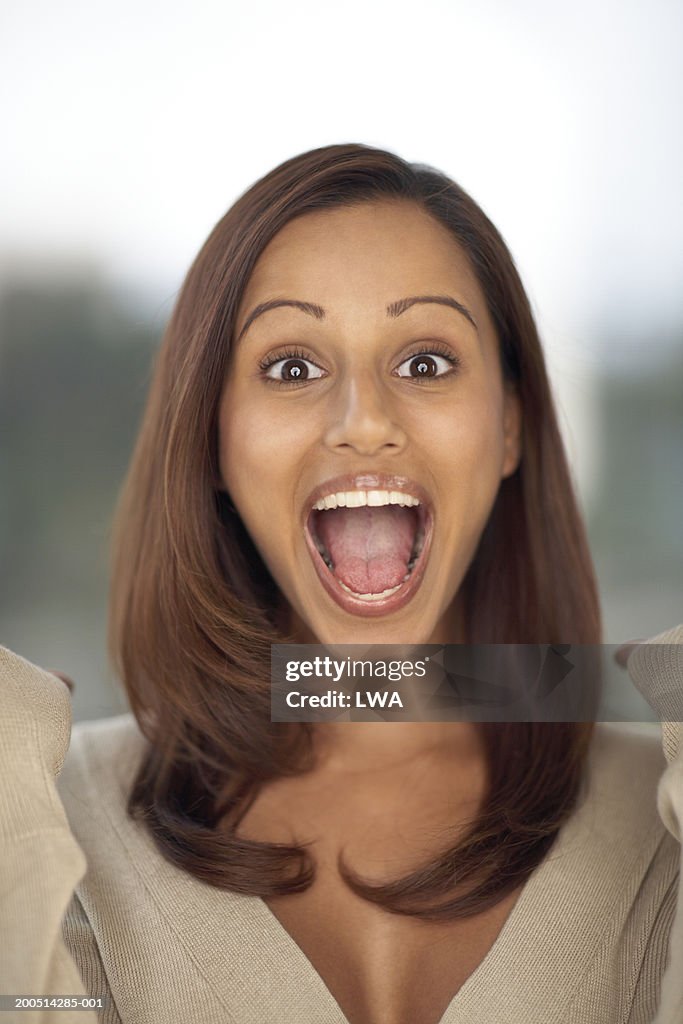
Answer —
372 630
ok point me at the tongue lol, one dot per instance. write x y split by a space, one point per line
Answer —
370 546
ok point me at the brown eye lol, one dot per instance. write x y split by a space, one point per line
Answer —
425 365
292 370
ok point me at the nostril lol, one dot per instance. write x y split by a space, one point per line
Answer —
364 441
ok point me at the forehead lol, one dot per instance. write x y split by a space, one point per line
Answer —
372 253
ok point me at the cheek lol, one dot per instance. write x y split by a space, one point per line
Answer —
254 469
237 455
471 459
242 452
256 446
472 436
485 440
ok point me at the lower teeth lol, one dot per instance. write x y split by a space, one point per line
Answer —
417 550
374 597
325 557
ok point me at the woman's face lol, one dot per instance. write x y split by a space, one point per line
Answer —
364 424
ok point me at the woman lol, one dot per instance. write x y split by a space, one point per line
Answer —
350 439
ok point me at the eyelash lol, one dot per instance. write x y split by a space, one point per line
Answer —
290 353
434 348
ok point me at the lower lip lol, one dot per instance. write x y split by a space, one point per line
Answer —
384 606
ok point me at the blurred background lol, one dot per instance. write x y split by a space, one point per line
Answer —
128 129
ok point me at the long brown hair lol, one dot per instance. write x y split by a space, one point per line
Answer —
193 607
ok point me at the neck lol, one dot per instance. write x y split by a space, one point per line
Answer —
361 747
354 748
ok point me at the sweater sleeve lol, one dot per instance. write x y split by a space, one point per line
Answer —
656 667
79 939
40 860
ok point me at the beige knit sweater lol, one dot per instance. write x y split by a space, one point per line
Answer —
88 905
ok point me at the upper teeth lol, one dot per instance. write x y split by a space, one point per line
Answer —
354 499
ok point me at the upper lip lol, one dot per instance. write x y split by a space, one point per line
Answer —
369 481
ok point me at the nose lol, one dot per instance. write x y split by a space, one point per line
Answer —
363 419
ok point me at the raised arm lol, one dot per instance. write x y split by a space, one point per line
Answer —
656 667
40 860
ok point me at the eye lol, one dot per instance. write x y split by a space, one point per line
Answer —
292 369
423 365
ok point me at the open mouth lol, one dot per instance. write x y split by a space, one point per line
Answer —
369 546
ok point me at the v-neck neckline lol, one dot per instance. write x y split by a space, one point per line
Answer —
333 1011
552 933
558 912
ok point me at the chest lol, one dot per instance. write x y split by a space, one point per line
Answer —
380 967
385 968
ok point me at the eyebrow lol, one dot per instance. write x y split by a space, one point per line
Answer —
397 308
306 307
394 309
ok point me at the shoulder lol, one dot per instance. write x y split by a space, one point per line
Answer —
98 772
146 925
108 738
623 768
629 868
617 825
591 928
106 746
626 757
